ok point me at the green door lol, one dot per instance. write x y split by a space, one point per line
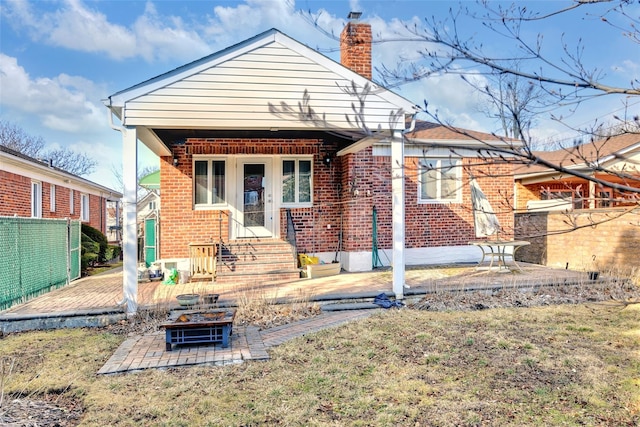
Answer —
150 241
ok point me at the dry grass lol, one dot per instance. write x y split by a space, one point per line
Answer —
257 308
553 365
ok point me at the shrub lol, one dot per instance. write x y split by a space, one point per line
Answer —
113 252
98 237
89 252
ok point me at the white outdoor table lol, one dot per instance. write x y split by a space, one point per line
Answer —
496 250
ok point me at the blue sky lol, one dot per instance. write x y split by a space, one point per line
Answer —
59 59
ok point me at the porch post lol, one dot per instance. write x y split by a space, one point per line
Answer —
130 235
397 190
592 195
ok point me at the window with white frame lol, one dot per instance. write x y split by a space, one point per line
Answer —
84 207
297 179
52 198
70 200
36 199
209 182
439 180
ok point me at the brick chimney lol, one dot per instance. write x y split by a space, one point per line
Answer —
355 46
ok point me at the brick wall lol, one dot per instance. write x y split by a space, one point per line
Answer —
15 199
526 194
355 48
344 192
189 225
443 224
573 239
97 213
15 194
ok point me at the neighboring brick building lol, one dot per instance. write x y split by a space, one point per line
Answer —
269 141
611 163
37 189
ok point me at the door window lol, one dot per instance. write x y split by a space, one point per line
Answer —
254 175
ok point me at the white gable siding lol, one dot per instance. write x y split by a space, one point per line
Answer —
237 93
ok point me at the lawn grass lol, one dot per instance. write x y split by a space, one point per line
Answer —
556 365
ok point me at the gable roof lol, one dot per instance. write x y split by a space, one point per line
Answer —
21 164
430 132
269 81
606 150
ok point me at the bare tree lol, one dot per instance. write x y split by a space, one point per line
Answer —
142 172
17 139
511 100
568 79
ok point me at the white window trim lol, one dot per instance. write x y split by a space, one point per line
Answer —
71 200
297 159
227 169
458 169
84 211
52 198
36 199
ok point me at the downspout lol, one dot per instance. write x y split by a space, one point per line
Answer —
412 126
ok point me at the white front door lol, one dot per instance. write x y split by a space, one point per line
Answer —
255 198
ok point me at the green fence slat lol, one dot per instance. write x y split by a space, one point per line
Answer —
35 255
75 238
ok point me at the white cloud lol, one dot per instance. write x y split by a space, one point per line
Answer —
628 69
80 28
173 41
61 103
77 27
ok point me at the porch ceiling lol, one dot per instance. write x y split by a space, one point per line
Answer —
171 137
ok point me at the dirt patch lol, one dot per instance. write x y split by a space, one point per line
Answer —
49 411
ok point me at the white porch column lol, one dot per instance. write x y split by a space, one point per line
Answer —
130 234
397 190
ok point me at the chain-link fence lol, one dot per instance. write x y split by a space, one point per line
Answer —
36 256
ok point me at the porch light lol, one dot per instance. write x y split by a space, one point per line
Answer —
175 161
327 160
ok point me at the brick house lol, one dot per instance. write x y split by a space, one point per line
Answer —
611 162
268 143
37 189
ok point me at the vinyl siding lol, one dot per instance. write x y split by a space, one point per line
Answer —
237 94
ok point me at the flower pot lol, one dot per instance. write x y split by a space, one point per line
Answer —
188 299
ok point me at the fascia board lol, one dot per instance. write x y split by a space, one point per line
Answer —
470 143
626 150
416 149
40 172
358 145
151 140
